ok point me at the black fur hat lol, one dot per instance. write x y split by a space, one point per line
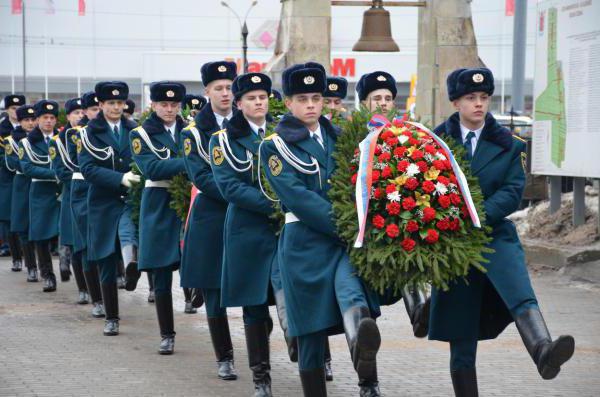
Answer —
465 81
374 81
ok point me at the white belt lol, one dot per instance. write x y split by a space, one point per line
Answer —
291 218
163 184
43 180
78 175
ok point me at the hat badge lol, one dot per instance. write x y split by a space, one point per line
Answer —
170 94
79 101
381 78
195 101
29 110
49 107
256 79
333 87
222 68
477 78
16 100
115 92
95 99
308 80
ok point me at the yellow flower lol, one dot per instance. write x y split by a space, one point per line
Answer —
395 130
432 174
423 200
411 150
401 180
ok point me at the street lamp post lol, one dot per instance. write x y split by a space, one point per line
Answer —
244 31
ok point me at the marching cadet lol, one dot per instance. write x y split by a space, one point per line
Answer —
377 91
155 151
43 193
194 103
79 190
249 237
483 305
203 242
322 290
104 160
7 126
19 208
335 92
63 168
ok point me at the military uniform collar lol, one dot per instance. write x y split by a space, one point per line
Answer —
492 131
18 134
292 130
36 135
205 120
6 127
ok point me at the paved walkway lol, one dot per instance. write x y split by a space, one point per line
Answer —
49 346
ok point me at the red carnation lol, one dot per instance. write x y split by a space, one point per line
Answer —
385 156
399 151
392 141
455 198
430 149
443 180
407 133
454 224
464 212
439 165
377 150
411 183
354 177
413 141
447 164
409 203
428 214
398 122
378 222
412 226
391 188
386 134
378 193
423 167
386 172
402 165
393 208
453 179
432 236
416 155
392 230
428 186
375 175
408 244
444 201
352 168
444 224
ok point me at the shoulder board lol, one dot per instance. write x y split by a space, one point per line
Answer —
270 137
190 125
219 132
519 138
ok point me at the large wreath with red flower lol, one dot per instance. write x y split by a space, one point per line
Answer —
418 230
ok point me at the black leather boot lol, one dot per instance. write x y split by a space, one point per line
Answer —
313 382
369 387
197 298
417 307
151 296
42 249
464 382
79 278
14 244
257 343
132 274
92 283
221 340
111 306
548 355
189 308
363 340
30 261
50 283
328 370
164 312
291 342
64 262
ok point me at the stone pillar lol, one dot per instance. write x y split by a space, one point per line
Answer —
446 42
304 34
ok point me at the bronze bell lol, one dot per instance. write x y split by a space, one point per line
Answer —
376 32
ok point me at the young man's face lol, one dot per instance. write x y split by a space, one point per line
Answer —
12 113
47 122
28 124
381 98
167 110
92 112
219 93
254 104
306 107
473 107
333 103
75 117
112 109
